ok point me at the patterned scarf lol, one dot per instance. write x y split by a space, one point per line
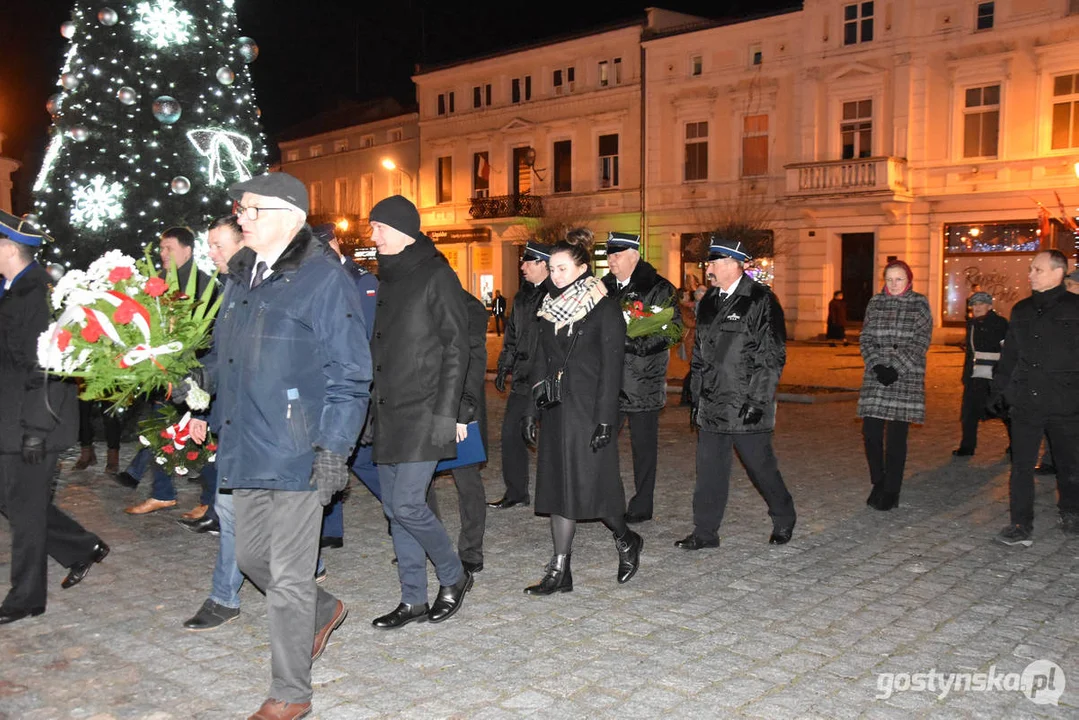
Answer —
573 303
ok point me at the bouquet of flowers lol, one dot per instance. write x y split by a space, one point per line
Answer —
169 436
644 321
124 331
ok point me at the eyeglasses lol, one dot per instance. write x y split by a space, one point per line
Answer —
251 213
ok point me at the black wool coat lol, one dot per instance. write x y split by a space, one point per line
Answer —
571 479
30 404
985 334
522 333
644 376
420 353
474 398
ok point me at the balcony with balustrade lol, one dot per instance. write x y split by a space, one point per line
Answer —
506 206
872 177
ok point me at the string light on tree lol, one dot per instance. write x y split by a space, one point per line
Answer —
219 146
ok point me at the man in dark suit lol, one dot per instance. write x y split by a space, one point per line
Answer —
498 309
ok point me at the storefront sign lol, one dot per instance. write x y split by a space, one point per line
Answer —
479 234
1002 276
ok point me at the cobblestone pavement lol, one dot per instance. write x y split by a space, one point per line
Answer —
748 630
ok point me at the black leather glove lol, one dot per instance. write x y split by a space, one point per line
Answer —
996 406
750 415
500 381
693 418
886 375
443 430
33 449
529 431
601 436
329 474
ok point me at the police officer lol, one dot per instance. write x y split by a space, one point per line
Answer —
1038 381
738 357
518 349
38 420
644 369
985 335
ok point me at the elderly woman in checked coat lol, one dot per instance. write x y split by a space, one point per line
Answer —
894 342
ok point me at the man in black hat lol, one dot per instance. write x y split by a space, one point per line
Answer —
518 349
38 420
421 355
738 357
985 335
644 370
291 368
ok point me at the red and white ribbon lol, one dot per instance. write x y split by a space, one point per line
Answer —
141 352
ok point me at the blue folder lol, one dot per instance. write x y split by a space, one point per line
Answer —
469 451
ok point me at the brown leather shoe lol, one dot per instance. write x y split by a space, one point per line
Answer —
281 710
322 637
149 505
195 513
86 458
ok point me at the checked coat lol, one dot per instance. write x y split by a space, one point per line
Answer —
896 334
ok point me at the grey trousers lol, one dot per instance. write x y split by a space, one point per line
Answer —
277 535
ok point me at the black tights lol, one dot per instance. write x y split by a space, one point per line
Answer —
562 530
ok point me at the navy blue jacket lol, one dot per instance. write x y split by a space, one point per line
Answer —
290 365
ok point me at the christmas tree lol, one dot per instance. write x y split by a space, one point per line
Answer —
155 117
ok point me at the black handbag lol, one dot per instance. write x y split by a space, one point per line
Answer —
547 393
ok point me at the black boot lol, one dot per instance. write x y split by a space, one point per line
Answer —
629 555
558 578
874 496
884 500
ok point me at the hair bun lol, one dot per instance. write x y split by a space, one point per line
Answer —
581 237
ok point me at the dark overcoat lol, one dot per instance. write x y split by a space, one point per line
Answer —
896 334
474 398
522 332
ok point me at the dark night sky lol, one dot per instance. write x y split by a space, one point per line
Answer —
309 49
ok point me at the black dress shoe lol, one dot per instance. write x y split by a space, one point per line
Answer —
203 524
633 518
506 503
692 542
210 616
126 479
883 501
472 567
781 536
81 569
629 548
10 615
962 452
328 541
402 615
450 598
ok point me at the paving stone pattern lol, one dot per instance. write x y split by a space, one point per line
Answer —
748 630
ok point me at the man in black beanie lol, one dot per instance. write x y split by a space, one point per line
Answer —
420 354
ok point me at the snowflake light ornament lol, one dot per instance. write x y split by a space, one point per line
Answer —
161 24
97 202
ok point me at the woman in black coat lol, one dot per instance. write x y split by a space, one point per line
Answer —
582 333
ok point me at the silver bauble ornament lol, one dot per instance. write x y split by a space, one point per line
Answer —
166 110
32 219
127 95
107 17
69 80
180 185
78 133
52 105
225 76
67 29
248 49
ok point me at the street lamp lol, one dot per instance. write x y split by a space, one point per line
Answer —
390 165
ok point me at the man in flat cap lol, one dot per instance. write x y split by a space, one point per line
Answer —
421 355
518 349
291 368
39 419
644 370
738 356
985 335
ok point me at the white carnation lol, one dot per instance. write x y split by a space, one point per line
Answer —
181 470
159 460
144 441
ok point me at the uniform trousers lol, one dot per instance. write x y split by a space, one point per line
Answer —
277 535
473 510
714 457
38 530
644 442
514 450
1027 432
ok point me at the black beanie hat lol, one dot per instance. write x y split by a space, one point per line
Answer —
400 214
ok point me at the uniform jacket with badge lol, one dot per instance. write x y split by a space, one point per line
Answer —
895 333
28 403
738 356
522 332
420 353
644 376
290 365
1039 365
985 335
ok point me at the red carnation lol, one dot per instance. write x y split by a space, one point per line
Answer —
212 447
193 455
168 450
63 339
124 314
164 433
91 332
155 287
119 273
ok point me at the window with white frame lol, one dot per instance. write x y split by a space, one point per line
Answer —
696 65
292 156
395 135
756 54
984 16
481 96
446 103
1065 112
340 145
617 64
314 192
340 195
858 23
754 145
444 180
316 151
481 174
521 89
608 161
562 80
367 141
604 73
981 121
367 194
856 129
696 165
